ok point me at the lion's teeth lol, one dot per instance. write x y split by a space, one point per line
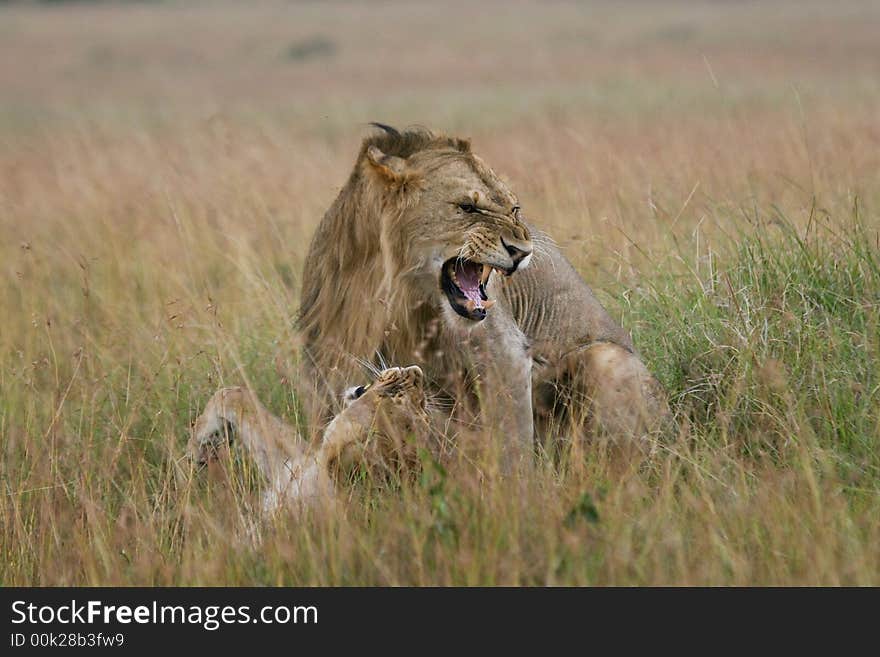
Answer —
488 303
470 305
487 271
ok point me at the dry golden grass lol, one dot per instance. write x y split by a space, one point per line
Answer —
713 169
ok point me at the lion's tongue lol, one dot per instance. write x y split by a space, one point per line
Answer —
467 276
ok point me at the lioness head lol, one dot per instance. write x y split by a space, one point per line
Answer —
450 223
378 419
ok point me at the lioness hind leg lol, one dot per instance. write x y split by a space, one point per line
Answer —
211 431
236 415
604 389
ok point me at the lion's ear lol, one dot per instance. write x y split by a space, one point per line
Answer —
390 167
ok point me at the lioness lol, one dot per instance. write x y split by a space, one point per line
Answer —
426 256
382 425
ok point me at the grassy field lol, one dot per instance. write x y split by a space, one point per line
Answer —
712 169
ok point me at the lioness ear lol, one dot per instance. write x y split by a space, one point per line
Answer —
390 167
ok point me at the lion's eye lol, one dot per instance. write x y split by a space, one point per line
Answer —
469 208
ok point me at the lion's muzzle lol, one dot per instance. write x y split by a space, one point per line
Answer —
464 281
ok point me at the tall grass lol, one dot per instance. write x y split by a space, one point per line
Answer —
728 217
771 362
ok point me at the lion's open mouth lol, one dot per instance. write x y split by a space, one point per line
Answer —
464 283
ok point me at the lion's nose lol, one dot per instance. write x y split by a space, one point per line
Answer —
519 254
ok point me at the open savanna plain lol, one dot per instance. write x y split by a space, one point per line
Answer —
711 168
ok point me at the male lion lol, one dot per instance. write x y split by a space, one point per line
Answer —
426 257
381 425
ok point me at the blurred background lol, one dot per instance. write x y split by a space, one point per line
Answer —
597 111
457 64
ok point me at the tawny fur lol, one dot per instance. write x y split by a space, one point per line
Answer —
371 286
383 427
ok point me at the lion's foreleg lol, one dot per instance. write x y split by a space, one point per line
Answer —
504 368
